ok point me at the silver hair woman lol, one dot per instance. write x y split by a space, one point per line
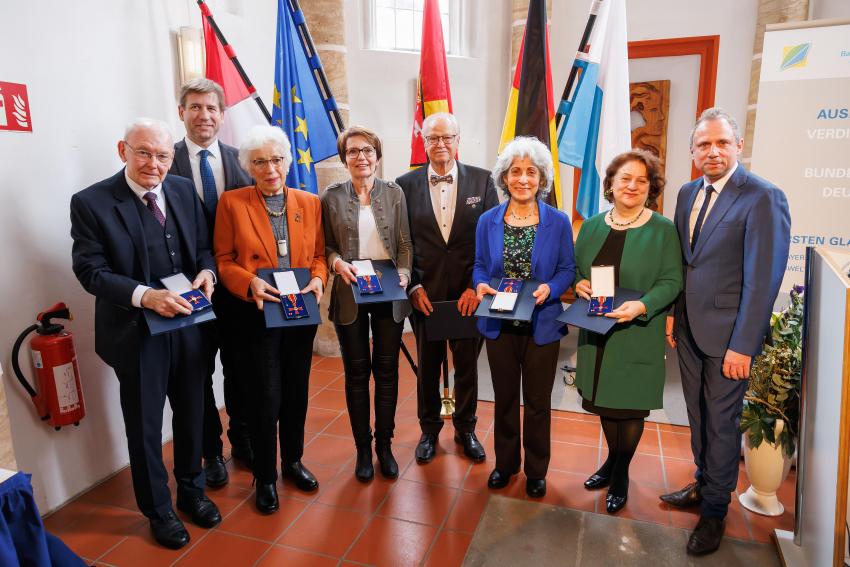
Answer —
523 356
539 155
258 137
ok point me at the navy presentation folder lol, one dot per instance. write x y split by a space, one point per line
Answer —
388 275
157 324
446 323
273 312
523 309
576 314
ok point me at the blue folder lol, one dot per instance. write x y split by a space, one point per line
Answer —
576 314
157 324
523 309
273 312
446 323
388 275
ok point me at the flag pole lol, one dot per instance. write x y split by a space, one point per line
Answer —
228 49
582 48
315 63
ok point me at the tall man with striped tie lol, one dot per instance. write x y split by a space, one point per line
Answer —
214 168
129 232
734 228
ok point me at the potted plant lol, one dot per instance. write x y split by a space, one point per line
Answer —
770 420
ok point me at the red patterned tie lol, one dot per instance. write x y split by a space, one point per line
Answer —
154 208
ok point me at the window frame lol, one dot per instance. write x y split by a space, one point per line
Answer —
454 46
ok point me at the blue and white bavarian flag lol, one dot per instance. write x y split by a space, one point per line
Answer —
298 107
597 124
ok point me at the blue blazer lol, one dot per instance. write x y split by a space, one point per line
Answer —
733 275
552 262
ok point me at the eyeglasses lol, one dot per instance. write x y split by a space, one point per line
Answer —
354 153
434 140
261 163
145 155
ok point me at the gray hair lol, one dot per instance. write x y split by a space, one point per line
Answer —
525 147
258 137
429 121
202 86
716 113
148 124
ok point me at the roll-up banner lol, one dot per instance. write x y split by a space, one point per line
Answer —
802 133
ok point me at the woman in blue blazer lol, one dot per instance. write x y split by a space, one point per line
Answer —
527 239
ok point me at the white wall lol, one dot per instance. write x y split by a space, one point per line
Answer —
91 65
829 9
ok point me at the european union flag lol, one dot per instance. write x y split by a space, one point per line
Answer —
298 106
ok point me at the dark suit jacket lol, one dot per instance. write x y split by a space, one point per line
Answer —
234 176
733 275
110 255
552 263
443 268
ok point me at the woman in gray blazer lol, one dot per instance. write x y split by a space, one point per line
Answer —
366 218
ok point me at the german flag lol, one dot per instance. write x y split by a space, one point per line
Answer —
531 107
432 89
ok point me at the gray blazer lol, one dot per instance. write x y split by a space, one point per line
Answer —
340 211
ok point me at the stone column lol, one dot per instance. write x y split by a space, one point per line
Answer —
519 13
769 12
7 452
326 22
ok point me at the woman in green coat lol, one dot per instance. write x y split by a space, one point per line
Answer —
621 375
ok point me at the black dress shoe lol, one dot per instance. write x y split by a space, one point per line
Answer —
300 475
169 531
201 509
215 472
684 498
266 498
597 481
706 536
363 469
389 466
614 504
535 487
471 446
499 479
426 448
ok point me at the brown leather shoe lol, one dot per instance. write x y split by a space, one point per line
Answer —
684 498
706 536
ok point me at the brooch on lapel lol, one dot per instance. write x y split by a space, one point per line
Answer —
297 217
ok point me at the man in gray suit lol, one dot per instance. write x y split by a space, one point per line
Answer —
735 232
214 168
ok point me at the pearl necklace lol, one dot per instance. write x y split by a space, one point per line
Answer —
615 223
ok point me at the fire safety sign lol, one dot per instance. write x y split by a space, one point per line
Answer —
14 108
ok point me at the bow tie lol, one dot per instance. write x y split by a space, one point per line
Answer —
440 178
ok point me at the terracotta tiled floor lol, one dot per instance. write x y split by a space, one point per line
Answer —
426 517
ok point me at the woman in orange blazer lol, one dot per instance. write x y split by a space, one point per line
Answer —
269 225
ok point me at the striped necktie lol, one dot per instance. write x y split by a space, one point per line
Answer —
208 182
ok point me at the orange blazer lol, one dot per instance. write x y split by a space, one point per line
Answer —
244 241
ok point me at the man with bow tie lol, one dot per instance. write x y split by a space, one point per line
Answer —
444 201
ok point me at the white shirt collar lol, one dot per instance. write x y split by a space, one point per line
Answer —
452 172
194 148
139 190
720 183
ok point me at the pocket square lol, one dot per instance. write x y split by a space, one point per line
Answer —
473 200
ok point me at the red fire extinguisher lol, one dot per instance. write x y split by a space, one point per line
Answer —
59 399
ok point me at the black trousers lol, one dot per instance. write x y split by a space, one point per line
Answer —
226 337
279 395
382 363
430 356
517 363
171 365
715 404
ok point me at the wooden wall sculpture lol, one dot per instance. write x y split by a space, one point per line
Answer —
650 103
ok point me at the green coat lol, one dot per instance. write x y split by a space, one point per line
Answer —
632 373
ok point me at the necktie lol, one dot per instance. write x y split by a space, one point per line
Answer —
709 191
208 181
440 178
154 208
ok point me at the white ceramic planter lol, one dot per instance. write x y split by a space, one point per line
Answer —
767 466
